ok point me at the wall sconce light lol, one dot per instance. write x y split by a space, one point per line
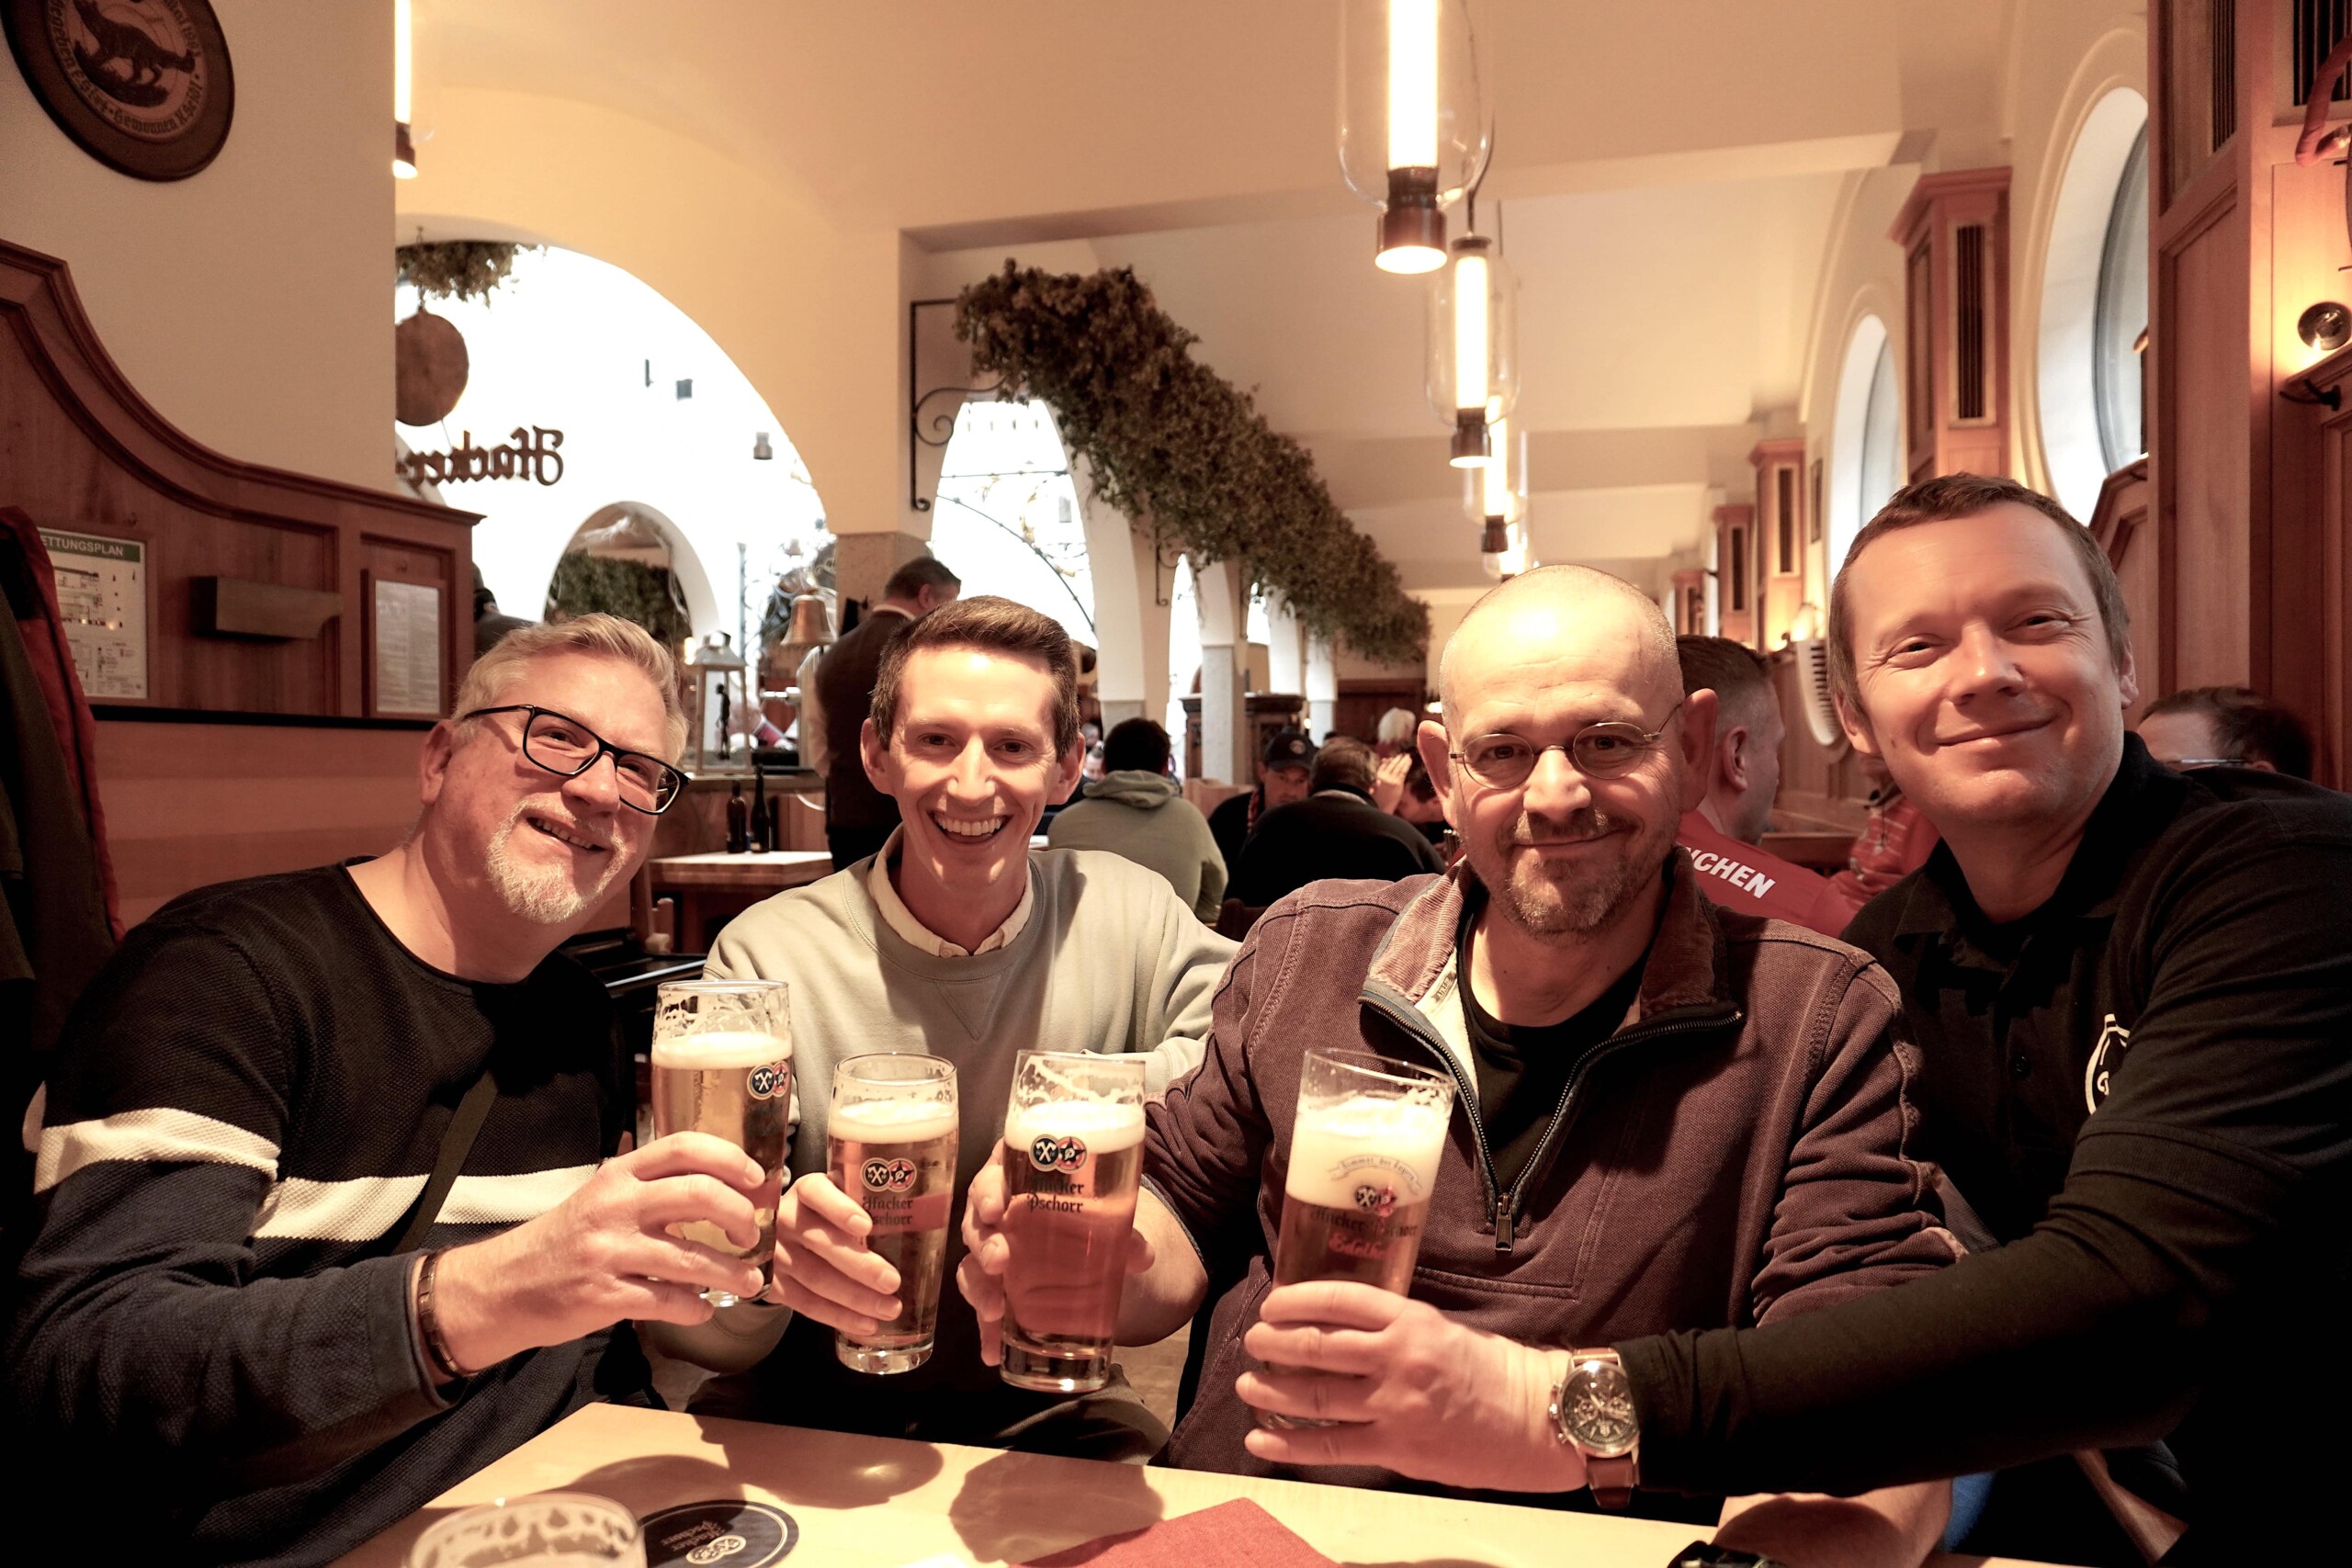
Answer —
403 91
1414 130
760 447
1473 356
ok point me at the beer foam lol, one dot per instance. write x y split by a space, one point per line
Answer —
891 1122
1337 1148
731 1048
1106 1129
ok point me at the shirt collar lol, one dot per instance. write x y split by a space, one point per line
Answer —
2141 800
914 933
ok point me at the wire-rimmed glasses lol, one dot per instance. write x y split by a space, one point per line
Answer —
567 748
1604 750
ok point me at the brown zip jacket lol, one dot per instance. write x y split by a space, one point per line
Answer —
1736 1153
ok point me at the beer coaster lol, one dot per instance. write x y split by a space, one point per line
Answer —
726 1532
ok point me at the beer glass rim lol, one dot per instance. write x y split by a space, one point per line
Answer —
669 988
1373 1065
441 1532
1120 1062
855 1069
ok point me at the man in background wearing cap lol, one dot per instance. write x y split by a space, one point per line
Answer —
1742 776
1335 834
1281 779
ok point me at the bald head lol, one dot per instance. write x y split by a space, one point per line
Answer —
1555 607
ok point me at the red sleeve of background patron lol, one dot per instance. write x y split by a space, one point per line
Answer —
1743 877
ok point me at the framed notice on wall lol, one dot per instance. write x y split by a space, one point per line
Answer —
102 599
404 648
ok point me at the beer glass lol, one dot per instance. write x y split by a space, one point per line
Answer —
555 1529
1364 1157
890 1144
722 1065
1073 1161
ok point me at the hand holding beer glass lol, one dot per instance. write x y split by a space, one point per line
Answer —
722 1065
890 1144
1073 1163
1363 1159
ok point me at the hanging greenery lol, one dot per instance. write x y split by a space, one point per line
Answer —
1178 448
455 269
648 596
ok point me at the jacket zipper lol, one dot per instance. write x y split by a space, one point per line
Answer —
1508 1204
1503 1205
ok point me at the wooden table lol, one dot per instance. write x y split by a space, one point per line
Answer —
710 888
880 1502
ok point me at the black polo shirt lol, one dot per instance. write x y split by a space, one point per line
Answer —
2146 1089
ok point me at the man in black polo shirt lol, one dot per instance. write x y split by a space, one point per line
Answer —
2131 991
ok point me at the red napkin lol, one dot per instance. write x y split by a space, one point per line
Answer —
1238 1534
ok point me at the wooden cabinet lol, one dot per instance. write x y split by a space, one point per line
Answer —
1781 503
1955 231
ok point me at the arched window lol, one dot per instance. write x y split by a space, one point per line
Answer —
1007 521
1865 456
2095 304
650 409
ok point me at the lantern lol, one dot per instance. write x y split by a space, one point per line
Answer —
1473 374
1415 127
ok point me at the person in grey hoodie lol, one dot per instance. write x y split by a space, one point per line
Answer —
1137 811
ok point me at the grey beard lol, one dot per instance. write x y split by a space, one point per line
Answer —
1546 908
543 895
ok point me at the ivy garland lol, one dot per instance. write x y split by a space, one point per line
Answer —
1175 445
455 269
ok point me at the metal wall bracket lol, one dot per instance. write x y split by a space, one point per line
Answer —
941 427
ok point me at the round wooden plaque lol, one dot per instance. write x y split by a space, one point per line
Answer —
429 369
142 85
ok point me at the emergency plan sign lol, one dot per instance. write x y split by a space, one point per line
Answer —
102 599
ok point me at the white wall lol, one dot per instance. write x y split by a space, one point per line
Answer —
246 302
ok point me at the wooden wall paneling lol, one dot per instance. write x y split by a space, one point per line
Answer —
81 449
1818 784
1737 582
2204 473
190 804
2330 709
1690 602
1779 533
1954 228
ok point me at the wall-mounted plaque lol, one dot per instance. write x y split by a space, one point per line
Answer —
101 596
142 85
406 648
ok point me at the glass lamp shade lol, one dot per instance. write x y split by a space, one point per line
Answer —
1473 345
1502 550
1497 492
1415 125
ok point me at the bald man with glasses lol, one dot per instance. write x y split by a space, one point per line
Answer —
1665 1114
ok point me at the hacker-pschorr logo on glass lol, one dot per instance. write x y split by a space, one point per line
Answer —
2105 1057
766 1082
889 1175
1057 1154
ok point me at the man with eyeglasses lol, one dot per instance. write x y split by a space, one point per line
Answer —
327 1218
1669 1115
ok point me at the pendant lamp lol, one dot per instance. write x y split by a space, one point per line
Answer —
1496 499
1473 346
1414 123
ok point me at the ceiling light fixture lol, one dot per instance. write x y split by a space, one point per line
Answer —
1496 499
1473 357
760 447
403 91
1414 131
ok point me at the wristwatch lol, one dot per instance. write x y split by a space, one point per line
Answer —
1592 1412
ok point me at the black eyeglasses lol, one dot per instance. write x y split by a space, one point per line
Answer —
1504 761
564 746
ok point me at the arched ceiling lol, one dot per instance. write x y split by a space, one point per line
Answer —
1668 179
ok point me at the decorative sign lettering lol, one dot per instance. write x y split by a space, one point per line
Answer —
531 453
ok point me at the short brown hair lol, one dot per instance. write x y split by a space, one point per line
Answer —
1344 763
993 625
1944 499
1733 670
923 571
2246 724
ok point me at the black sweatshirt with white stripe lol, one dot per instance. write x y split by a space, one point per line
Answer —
246 1105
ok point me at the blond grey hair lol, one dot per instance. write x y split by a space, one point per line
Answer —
603 636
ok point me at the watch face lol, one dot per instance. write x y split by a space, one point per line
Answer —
1598 1409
